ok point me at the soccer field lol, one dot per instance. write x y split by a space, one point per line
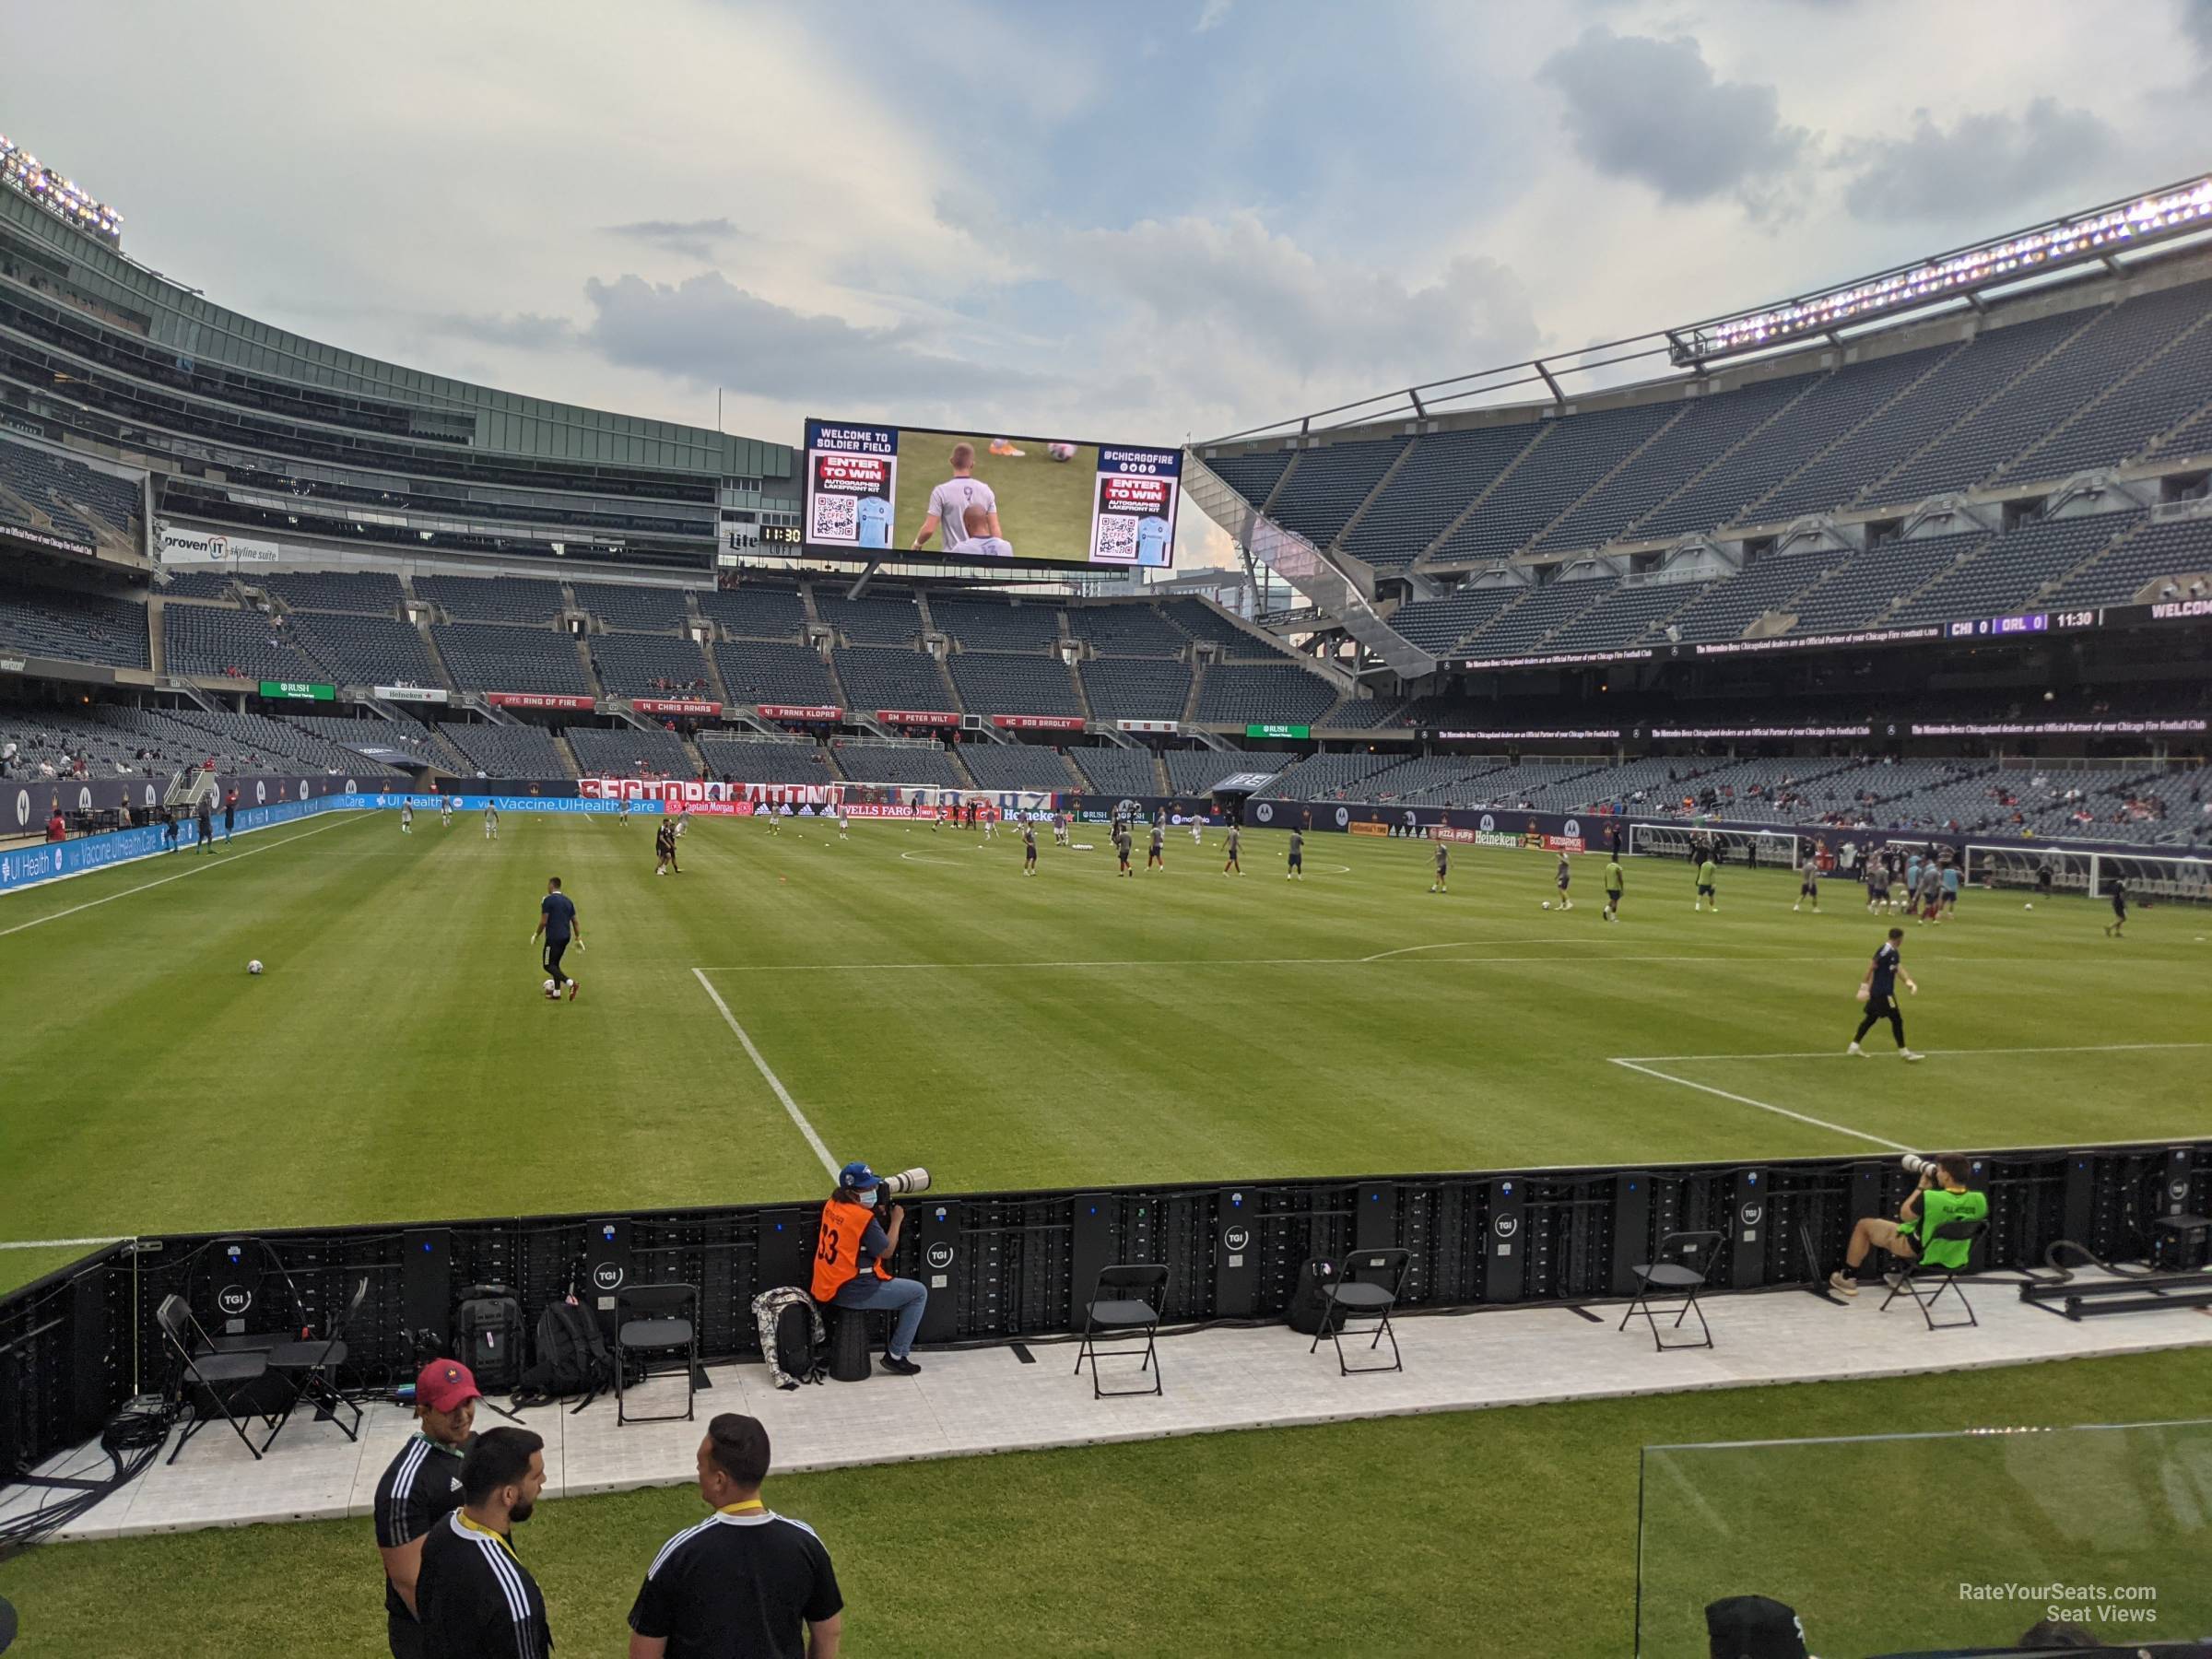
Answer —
920 1002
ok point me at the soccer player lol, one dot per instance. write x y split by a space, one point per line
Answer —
967 511
1709 874
204 817
557 922
229 817
1197 831
2045 873
1808 886
1028 849
844 824
1879 984
664 848
1951 890
1912 877
1878 880
621 811
1006 447
1928 898
775 824
1443 863
1297 855
1614 881
2119 921
406 816
1155 857
445 811
1121 848
1234 866
1562 876
492 820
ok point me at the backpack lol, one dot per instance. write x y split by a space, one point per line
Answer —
1307 1305
793 1340
487 1336
572 1355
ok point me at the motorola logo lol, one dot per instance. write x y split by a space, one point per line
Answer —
940 1255
1344 816
234 1300
84 800
23 805
1263 812
1753 1214
1236 1238
1571 827
303 789
1489 823
261 795
607 1276
1505 1227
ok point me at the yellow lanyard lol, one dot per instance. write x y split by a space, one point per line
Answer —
751 1506
488 1533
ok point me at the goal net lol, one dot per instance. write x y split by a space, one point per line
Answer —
2026 867
2152 878
1756 849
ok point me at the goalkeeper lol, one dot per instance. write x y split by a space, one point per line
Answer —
1940 1198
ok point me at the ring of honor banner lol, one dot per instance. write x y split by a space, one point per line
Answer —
973 497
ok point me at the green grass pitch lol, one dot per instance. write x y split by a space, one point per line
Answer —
924 1003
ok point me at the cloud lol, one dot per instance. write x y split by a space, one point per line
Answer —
706 331
1653 111
2197 23
693 239
1993 159
1212 14
522 331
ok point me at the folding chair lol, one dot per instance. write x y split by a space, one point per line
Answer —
653 1319
1909 1282
1366 1286
1684 1260
308 1367
212 1379
1134 1311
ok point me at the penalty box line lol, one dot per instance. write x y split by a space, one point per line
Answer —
1741 1099
775 1083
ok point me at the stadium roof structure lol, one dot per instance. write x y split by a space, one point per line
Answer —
2095 241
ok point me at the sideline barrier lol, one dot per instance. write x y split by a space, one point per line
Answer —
1003 1267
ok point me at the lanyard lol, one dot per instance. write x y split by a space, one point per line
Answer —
488 1533
751 1506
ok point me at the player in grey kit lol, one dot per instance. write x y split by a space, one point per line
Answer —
964 507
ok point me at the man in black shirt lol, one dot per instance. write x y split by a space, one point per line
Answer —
420 1488
206 818
1878 989
2119 921
476 1599
557 921
745 1582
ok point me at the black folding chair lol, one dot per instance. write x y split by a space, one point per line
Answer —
310 1366
649 1320
216 1385
1126 1304
1911 1281
1684 1258
1367 1286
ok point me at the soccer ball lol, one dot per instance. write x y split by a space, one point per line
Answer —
1546 904
550 987
255 966
2027 906
1061 452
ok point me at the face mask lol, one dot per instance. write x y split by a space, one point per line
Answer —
866 1197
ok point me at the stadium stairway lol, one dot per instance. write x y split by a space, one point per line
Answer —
568 755
1599 483
1190 703
2022 465
1442 538
1344 531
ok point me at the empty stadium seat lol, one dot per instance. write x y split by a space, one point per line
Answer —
485 657
1019 766
763 671
1004 683
85 628
493 598
1135 688
761 613
748 760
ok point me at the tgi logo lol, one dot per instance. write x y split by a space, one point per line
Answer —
1236 1239
940 1255
234 1300
1505 1227
1753 1214
2178 1191
607 1276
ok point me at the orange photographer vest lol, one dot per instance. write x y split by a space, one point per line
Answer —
837 1247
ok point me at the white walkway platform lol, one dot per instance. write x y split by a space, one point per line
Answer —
988 1400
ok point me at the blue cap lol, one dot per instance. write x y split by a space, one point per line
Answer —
857 1176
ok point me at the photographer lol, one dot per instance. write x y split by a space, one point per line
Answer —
1940 1198
849 1253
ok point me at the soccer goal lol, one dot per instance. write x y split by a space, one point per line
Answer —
2166 881
1757 849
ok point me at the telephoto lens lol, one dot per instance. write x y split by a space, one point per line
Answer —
906 1180
1917 1165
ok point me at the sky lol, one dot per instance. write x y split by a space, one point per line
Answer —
1145 222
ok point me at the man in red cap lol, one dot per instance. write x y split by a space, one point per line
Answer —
420 1488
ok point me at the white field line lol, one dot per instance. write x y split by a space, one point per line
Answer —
1389 959
1765 1106
56 1244
1831 1054
775 1082
198 864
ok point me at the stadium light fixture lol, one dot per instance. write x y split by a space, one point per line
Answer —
22 173
2176 211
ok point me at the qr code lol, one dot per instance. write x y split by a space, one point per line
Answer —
836 518
1117 537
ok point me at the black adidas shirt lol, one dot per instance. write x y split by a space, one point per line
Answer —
737 1587
478 1600
420 1488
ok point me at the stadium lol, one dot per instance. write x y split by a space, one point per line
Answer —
1440 1202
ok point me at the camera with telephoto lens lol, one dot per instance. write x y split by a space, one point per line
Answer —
905 1182
1922 1167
